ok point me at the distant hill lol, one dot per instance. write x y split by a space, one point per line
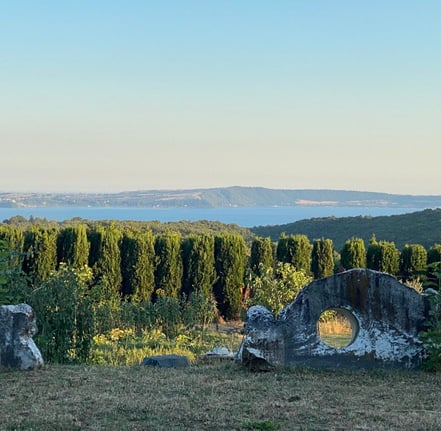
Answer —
421 227
217 198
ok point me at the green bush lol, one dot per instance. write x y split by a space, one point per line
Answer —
199 310
64 317
168 315
276 288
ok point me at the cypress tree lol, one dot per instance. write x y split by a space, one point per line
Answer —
282 249
14 242
296 250
373 254
199 273
322 263
73 246
94 236
5 297
138 263
169 270
40 246
383 256
230 260
353 254
389 258
434 254
434 266
413 261
106 257
261 255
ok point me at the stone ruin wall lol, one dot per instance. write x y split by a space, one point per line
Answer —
386 318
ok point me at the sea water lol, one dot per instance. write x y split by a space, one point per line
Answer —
242 216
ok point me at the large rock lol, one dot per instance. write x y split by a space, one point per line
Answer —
166 361
17 327
386 318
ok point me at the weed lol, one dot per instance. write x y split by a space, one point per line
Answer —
261 425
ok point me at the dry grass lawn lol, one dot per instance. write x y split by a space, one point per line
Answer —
221 396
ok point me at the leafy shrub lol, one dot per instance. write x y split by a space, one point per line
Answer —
168 315
65 318
199 310
137 316
276 288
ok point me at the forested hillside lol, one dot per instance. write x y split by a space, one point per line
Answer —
421 227
217 198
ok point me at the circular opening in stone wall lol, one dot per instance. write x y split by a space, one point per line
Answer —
337 327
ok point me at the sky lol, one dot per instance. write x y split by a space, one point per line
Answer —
119 95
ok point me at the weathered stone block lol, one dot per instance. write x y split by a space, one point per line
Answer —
386 318
17 327
166 361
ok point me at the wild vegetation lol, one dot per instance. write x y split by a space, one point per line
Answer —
90 282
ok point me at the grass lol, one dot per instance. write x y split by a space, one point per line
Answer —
335 331
124 347
221 396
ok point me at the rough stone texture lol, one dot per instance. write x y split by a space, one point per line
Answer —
217 354
17 327
221 352
386 318
166 361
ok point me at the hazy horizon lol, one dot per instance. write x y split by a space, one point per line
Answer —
112 96
208 188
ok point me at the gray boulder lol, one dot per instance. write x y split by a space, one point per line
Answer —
166 361
17 348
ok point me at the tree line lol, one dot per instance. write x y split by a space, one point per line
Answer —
140 266
420 227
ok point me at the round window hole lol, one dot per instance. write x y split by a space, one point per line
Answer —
337 327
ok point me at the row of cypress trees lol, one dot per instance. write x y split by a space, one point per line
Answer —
140 265
137 264
320 258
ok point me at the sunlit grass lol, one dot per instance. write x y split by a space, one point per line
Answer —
124 347
335 331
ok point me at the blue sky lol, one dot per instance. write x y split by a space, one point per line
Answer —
128 95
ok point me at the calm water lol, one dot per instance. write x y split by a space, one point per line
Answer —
243 216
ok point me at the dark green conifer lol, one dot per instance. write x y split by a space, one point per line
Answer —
353 254
261 255
322 264
138 262
169 270
230 259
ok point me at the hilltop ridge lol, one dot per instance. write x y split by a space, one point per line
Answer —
422 227
235 196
